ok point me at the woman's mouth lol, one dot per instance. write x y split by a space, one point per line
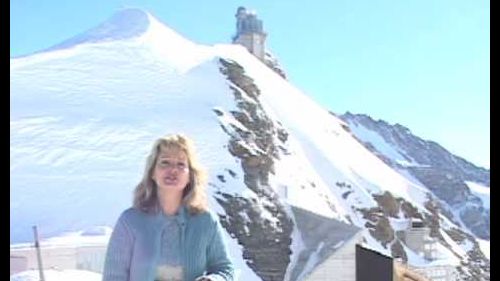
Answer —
170 180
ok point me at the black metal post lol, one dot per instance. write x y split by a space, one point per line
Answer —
39 254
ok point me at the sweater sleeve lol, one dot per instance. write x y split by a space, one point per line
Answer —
119 253
219 264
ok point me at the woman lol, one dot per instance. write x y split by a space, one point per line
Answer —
168 234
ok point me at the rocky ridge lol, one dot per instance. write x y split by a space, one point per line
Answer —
443 173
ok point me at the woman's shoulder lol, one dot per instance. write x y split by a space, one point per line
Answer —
131 212
133 215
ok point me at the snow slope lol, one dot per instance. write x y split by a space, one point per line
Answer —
85 113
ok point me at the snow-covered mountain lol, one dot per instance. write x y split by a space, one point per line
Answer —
85 112
451 178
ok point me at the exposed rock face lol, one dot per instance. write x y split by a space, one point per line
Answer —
389 204
398 251
266 243
273 63
439 170
444 175
476 267
378 224
426 153
455 192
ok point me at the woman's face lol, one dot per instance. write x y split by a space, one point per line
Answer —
171 171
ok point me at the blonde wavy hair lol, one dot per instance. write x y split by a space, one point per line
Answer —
194 197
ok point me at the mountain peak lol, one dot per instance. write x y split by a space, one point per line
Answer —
125 23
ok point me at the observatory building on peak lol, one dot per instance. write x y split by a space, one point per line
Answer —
250 33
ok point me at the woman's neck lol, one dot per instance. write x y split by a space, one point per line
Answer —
170 202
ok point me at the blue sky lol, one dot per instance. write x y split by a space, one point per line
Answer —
421 63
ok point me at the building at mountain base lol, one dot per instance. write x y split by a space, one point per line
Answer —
90 257
417 238
437 272
333 251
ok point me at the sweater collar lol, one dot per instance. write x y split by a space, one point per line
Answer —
180 217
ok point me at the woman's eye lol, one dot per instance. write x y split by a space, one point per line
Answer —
164 163
172 165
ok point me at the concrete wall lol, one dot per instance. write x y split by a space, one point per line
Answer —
414 239
341 266
89 258
437 273
18 264
255 44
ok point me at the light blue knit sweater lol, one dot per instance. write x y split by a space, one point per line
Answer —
133 252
